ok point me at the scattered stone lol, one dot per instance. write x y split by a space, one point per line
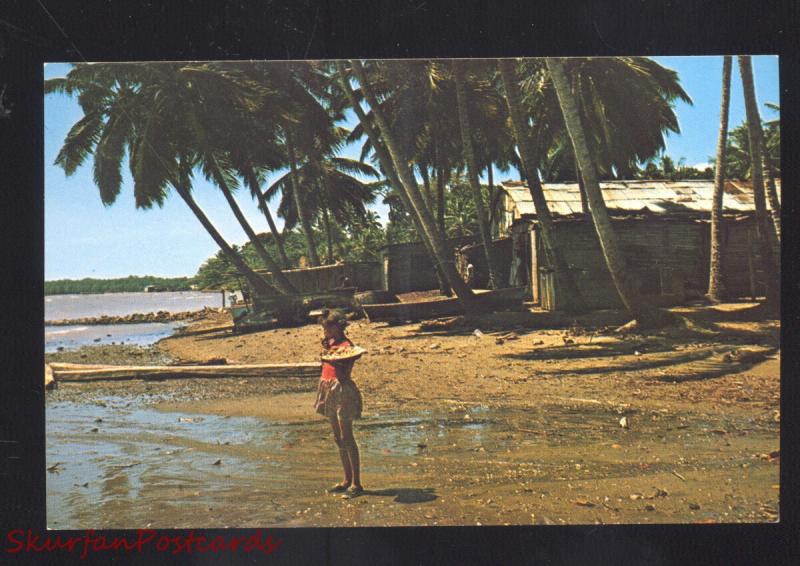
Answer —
217 463
694 506
623 422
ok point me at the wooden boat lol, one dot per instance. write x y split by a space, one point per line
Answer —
266 312
94 372
495 299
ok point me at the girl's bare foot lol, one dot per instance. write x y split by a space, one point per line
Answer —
342 486
355 489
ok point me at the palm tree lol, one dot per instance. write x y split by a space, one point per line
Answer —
626 106
415 99
757 150
472 171
216 106
305 122
408 184
120 114
528 157
612 252
715 285
766 234
336 192
397 191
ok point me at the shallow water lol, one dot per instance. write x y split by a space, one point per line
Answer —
73 337
58 307
495 466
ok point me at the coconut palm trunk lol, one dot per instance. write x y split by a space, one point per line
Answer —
772 193
264 206
615 260
765 227
302 215
472 173
259 285
553 252
283 284
582 191
391 175
328 234
429 231
715 284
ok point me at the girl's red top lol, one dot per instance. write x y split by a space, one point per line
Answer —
329 370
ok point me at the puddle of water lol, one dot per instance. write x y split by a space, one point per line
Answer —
144 466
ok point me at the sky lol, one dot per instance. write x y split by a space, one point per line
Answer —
83 238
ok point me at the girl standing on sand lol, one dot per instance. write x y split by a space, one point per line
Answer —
339 399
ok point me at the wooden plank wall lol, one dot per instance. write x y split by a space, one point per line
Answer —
664 254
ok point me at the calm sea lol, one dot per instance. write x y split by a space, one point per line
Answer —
115 304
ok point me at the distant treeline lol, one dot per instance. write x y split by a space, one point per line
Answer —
132 283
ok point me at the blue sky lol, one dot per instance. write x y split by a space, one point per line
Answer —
85 239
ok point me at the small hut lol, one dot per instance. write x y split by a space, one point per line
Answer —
408 267
663 228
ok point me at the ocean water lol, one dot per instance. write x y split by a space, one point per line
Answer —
117 304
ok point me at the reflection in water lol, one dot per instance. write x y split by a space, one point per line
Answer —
144 467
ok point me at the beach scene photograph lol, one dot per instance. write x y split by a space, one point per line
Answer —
421 292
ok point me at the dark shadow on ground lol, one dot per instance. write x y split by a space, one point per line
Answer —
404 494
639 363
578 351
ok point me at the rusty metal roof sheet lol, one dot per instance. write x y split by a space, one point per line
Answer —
660 197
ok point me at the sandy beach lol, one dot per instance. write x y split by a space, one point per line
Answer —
567 425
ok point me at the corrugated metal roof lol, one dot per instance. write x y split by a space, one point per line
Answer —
661 197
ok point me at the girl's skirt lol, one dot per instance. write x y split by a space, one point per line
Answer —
340 399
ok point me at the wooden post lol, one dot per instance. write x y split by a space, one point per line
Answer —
750 265
223 298
533 275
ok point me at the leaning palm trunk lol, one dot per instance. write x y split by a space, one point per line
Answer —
472 173
280 279
259 285
553 252
298 202
715 284
612 252
407 184
263 205
766 228
391 175
772 193
328 234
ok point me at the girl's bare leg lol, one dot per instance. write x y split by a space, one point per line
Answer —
343 455
351 448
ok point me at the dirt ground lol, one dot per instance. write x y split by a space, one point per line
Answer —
493 422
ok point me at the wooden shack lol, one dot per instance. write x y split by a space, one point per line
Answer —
663 228
408 267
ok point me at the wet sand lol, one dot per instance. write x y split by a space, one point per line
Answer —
457 429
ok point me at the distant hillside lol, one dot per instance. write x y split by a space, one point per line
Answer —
130 284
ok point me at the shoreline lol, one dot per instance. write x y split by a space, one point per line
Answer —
134 318
500 427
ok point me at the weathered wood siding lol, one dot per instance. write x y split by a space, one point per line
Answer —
408 267
475 255
668 257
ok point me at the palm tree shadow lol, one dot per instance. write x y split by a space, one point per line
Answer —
404 494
